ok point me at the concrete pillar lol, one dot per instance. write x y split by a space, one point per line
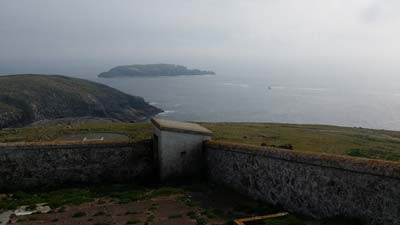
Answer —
178 147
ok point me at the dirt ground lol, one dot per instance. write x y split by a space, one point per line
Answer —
190 208
199 204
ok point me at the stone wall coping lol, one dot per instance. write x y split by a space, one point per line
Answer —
180 127
59 144
361 165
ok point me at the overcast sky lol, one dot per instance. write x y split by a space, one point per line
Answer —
90 35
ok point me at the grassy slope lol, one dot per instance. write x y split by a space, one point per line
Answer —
37 97
378 144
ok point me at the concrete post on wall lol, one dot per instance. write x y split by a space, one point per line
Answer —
178 147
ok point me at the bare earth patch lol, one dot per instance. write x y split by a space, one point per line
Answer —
195 204
189 207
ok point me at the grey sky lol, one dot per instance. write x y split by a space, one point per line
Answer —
54 35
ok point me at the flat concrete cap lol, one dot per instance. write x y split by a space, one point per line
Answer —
182 127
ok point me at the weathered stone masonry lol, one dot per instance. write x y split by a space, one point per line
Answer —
318 185
29 165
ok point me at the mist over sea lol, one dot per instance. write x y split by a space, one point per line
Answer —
362 96
229 97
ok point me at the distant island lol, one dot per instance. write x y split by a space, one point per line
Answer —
152 70
27 99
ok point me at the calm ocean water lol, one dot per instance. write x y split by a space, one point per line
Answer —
228 98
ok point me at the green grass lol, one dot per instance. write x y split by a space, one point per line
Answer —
136 131
357 142
122 193
54 199
27 97
125 192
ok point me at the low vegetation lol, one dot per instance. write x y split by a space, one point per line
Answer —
121 193
152 70
136 131
200 203
357 142
27 98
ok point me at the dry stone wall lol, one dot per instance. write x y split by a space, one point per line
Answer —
313 184
28 165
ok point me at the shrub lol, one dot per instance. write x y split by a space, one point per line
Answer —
79 214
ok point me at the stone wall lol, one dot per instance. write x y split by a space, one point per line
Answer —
27 165
318 185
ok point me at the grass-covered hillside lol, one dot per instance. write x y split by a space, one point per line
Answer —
25 99
377 144
160 69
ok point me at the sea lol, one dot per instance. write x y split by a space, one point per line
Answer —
228 97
